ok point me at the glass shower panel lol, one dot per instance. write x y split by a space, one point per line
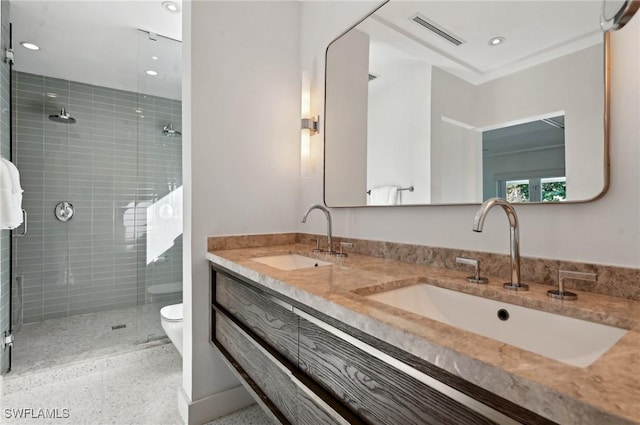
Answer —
5 152
159 179
119 259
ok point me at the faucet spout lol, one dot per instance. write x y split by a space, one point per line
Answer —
478 224
327 214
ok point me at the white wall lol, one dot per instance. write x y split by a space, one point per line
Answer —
457 165
566 84
347 121
241 155
551 87
453 113
606 231
399 120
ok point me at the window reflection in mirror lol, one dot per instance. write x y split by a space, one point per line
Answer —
525 162
550 189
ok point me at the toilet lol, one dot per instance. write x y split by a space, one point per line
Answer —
171 319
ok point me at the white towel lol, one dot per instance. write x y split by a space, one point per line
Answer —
384 195
10 196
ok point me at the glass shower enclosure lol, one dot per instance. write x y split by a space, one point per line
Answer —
104 201
5 152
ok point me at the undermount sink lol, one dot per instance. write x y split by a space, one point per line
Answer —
291 262
572 341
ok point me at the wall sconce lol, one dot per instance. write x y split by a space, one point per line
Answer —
309 126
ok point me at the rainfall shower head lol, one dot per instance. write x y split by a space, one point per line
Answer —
64 117
169 131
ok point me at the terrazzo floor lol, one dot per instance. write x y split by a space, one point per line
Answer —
66 340
137 387
79 371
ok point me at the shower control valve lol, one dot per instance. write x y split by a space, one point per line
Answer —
64 211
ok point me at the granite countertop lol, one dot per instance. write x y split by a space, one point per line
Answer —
606 392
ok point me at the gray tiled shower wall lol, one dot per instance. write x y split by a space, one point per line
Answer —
5 150
111 164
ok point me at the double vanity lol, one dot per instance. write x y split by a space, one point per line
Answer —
412 118
362 339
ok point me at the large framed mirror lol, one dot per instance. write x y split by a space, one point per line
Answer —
455 102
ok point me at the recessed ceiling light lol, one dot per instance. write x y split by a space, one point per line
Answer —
496 40
52 95
29 46
139 111
151 72
155 58
171 6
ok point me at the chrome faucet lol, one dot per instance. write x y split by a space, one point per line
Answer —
478 223
327 214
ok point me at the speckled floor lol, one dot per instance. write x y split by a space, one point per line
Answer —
61 341
136 387
77 371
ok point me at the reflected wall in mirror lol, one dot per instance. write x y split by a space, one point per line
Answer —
461 99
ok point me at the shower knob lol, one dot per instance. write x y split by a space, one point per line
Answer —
64 211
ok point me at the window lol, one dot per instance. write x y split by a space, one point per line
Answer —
547 189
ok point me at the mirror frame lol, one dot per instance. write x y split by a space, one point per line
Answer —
620 19
626 12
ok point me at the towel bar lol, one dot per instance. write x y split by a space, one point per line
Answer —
410 189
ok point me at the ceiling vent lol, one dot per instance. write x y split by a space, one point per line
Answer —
436 29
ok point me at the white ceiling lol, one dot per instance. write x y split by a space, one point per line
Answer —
534 32
99 42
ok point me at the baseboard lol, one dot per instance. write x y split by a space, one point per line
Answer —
214 406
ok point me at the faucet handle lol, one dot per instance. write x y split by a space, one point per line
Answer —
344 244
317 248
476 264
560 293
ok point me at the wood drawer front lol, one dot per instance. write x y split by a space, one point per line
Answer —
276 381
273 323
376 391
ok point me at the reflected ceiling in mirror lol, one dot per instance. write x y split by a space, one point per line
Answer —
412 90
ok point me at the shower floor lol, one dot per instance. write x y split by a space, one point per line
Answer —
66 340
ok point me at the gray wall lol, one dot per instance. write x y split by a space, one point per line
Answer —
5 148
110 165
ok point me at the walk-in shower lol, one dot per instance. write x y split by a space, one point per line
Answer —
94 283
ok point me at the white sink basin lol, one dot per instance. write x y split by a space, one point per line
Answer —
291 262
568 340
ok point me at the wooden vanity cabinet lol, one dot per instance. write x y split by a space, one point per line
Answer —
378 392
311 369
273 323
278 387
258 335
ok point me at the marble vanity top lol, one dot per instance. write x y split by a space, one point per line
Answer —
606 392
